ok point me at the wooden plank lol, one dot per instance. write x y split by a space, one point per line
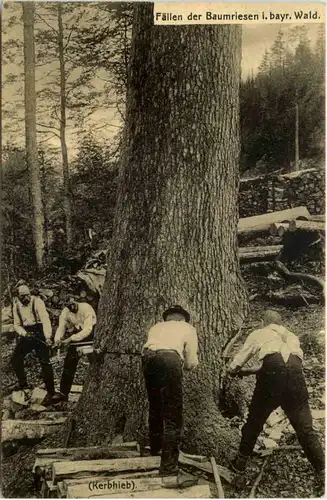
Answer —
69 469
79 481
259 254
278 228
249 223
113 486
259 249
29 429
45 461
199 491
219 486
225 473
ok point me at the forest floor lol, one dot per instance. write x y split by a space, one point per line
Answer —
287 474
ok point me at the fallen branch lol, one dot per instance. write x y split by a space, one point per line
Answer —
257 481
301 278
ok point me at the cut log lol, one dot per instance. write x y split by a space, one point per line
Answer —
278 229
69 469
307 225
12 430
44 462
248 224
259 254
200 491
253 231
225 473
315 217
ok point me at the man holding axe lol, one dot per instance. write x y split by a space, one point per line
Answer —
280 382
81 318
33 326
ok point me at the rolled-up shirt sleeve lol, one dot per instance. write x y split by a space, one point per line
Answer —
249 349
61 326
44 318
19 329
191 350
86 330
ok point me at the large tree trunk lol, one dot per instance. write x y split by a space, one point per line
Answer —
64 153
30 132
175 228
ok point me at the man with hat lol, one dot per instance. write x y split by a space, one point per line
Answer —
79 318
33 326
171 345
280 382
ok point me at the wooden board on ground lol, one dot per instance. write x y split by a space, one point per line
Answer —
74 389
69 469
256 222
45 461
12 430
225 473
199 491
85 481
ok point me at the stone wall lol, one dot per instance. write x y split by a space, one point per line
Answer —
271 193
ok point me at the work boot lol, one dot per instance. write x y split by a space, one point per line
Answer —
319 489
58 397
48 400
238 464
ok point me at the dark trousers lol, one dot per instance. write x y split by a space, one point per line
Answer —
34 341
70 366
163 374
280 384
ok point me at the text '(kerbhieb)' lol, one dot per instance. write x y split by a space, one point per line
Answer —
108 485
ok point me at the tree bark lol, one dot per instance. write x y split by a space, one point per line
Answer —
30 132
175 227
63 144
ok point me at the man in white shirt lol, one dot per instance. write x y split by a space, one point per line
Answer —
33 326
81 318
171 345
280 382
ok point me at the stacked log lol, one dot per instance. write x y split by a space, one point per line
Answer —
262 223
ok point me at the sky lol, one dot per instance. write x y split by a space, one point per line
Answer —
256 39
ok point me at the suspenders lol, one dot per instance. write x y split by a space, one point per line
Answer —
33 311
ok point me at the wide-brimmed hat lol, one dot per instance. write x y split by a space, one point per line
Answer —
176 309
